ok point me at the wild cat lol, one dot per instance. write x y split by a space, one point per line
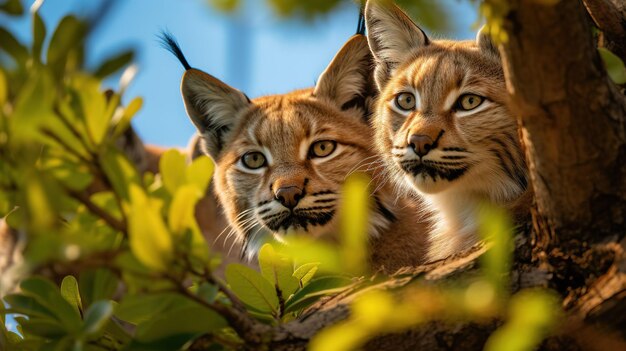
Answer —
281 160
443 126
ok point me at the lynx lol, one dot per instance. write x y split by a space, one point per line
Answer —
443 125
281 160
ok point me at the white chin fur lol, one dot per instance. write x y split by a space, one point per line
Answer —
427 185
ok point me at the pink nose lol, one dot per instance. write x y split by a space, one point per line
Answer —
421 144
289 196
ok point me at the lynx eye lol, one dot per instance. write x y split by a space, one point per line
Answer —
253 160
468 102
322 148
405 101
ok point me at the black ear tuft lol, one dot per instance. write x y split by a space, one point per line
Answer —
360 29
169 43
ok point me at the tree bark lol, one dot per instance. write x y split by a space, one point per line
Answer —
610 17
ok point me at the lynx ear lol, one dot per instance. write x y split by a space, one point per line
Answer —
485 42
213 106
347 79
392 36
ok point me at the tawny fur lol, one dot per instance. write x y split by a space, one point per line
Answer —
283 128
476 156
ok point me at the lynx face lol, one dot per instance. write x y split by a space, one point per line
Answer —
442 117
281 160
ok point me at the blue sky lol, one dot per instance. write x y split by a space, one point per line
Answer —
252 50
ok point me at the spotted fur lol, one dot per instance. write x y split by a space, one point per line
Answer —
471 157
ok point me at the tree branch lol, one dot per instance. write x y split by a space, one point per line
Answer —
113 222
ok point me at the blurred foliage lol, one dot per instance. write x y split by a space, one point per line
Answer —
121 260
432 14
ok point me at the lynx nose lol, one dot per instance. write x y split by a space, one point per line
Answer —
289 196
421 144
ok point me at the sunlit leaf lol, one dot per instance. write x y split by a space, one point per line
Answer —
339 337
69 291
122 121
226 5
305 273
150 240
496 228
252 288
199 172
4 87
614 66
532 315
119 171
94 106
39 87
315 290
172 166
306 249
181 213
354 223
278 271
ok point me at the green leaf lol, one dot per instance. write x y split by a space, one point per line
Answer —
97 284
316 289
68 35
94 106
114 64
277 270
48 294
614 66
39 87
119 171
13 47
122 122
251 288
39 35
199 172
172 166
150 240
495 227
4 88
72 175
97 316
12 7
305 273
28 305
69 291
182 209
46 328
354 223
190 320
532 315
137 309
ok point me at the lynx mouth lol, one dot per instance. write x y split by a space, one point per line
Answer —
435 170
300 219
